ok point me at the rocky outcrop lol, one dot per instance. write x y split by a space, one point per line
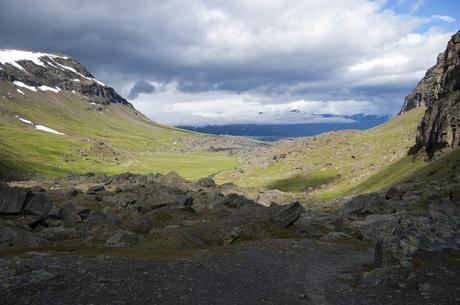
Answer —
427 90
439 91
58 72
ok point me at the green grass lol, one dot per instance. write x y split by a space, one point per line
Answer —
336 164
300 183
141 146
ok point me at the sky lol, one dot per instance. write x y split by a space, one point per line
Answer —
199 62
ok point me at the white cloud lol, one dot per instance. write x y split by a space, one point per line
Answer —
444 18
170 106
272 52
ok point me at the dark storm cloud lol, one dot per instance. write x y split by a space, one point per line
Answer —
140 87
299 49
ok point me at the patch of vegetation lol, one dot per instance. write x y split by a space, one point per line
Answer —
338 163
300 183
131 141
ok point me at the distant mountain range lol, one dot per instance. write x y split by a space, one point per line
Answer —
274 132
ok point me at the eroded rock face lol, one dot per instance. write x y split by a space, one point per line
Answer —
439 91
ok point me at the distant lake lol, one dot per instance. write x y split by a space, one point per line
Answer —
274 132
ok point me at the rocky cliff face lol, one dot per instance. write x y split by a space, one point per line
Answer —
439 91
51 72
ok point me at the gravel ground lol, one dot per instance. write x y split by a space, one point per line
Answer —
258 272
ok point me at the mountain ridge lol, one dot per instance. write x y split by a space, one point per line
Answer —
32 69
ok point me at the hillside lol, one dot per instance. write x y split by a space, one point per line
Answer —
44 95
332 164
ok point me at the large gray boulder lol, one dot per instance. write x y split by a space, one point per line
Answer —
12 199
121 200
413 233
362 205
40 205
69 213
287 215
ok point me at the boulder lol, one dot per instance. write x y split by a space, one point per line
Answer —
59 233
122 239
40 205
12 199
394 194
121 200
362 205
206 182
95 189
69 213
288 214
413 233
98 226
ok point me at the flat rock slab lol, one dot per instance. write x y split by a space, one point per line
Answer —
259 272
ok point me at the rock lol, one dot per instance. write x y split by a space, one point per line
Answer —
59 233
12 199
206 182
232 235
380 276
172 178
39 205
122 239
233 201
7 236
288 214
69 213
376 227
98 226
314 224
393 194
414 233
362 205
336 237
439 129
121 200
95 189
455 194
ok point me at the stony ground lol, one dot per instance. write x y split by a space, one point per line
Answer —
262 272
160 239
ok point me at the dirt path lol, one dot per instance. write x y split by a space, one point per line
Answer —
260 272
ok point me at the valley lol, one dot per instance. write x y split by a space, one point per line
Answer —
100 205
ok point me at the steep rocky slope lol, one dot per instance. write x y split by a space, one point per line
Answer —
439 91
50 72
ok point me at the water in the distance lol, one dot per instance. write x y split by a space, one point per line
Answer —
274 132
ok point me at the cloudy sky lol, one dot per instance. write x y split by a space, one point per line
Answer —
217 62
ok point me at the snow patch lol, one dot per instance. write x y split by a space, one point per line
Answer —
76 80
13 56
41 127
47 129
73 91
99 82
22 85
24 120
46 88
19 90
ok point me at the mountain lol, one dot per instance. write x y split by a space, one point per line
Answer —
51 72
275 132
56 118
439 91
